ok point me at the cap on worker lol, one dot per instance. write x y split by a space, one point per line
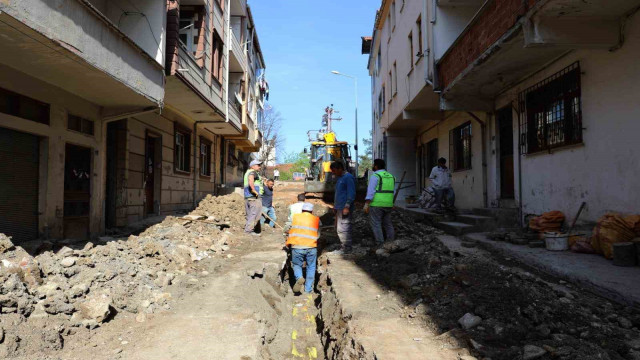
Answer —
307 207
255 162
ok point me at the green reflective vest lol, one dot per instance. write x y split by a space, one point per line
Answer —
257 184
385 190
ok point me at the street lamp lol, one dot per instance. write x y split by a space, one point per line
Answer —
355 79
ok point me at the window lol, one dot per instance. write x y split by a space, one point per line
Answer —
191 21
205 157
389 29
460 147
411 50
380 104
402 5
390 85
79 124
393 16
419 24
552 112
23 107
232 160
379 61
384 96
395 79
216 68
182 148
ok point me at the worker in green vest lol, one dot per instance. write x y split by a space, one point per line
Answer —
253 190
379 202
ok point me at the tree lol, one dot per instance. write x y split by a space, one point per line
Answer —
272 137
296 162
366 160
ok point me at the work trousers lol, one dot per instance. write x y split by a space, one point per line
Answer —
271 212
451 197
343 228
298 256
380 220
253 208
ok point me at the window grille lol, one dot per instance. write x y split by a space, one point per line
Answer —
460 147
551 112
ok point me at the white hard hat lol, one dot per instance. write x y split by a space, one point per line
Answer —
307 207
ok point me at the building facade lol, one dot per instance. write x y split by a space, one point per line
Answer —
111 111
513 95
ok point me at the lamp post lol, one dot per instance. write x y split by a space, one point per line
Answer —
355 79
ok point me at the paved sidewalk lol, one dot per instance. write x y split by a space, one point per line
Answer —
593 272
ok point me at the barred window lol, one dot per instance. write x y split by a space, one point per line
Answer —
551 112
460 147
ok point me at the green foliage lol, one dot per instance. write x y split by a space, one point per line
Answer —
366 160
299 162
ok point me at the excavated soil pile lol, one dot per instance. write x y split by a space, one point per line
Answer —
68 289
500 311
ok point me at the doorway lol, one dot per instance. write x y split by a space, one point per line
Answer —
152 173
77 192
431 159
505 133
19 184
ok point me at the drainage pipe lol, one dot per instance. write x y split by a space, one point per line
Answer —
483 127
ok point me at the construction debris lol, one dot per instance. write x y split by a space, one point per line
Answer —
82 285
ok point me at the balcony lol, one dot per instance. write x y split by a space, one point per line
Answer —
506 43
238 58
238 7
77 48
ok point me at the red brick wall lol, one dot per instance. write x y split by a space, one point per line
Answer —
493 23
173 27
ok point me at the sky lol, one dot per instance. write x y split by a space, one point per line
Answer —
302 42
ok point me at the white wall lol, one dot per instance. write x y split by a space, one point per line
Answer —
401 157
450 21
467 184
604 171
146 31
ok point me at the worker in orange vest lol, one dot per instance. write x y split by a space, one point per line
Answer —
303 240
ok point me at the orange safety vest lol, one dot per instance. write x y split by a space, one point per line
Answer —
304 230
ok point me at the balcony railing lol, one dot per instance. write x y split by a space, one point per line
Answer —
238 61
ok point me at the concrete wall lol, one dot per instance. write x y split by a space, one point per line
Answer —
396 49
449 23
176 190
400 158
150 36
603 171
91 39
467 184
54 138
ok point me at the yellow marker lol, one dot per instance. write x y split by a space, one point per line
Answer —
295 311
311 319
309 300
308 331
294 335
312 352
295 352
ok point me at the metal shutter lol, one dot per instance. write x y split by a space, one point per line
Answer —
19 158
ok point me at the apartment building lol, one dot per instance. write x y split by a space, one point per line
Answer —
530 101
111 111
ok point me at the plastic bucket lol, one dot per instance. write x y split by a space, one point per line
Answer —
556 241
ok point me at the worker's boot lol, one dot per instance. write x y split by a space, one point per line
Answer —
298 286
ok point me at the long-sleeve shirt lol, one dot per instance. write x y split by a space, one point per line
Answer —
440 177
345 191
373 183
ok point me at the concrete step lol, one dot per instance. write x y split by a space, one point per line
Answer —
456 228
475 219
504 217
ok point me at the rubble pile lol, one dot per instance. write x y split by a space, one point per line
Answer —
499 311
222 209
81 285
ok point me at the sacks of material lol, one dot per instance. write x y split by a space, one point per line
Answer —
550 221
614 228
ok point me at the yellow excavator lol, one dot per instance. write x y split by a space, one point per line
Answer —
325 149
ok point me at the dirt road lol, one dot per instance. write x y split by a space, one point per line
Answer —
200 289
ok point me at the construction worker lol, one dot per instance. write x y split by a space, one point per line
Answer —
345 196
379 202
267 205
303 241
253 190
295 208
